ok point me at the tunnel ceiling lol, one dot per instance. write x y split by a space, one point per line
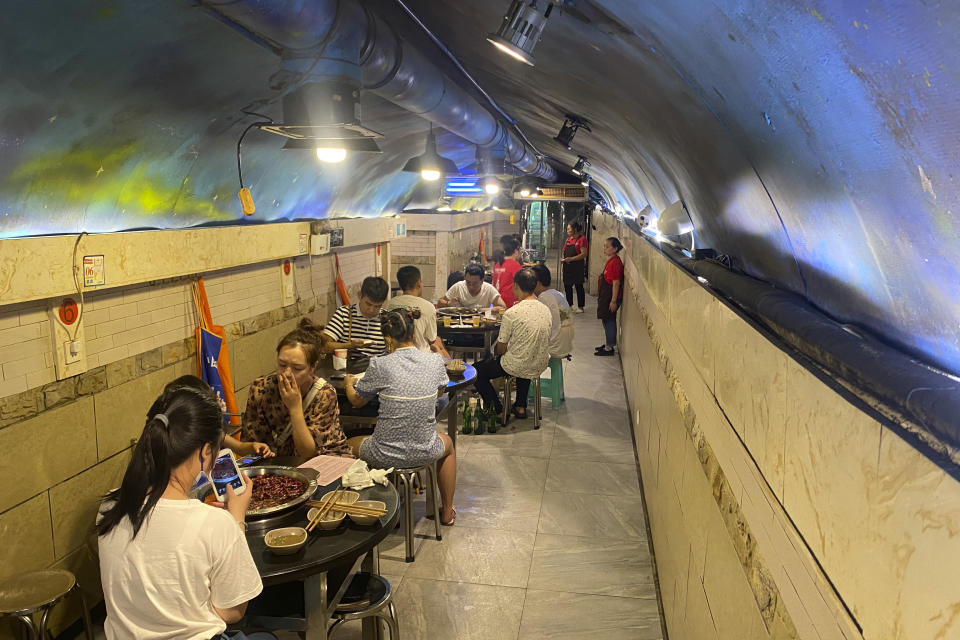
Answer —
815 143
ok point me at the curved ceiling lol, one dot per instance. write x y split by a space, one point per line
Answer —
815 144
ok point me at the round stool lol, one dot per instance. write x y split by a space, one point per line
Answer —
36 592
406 478
367 595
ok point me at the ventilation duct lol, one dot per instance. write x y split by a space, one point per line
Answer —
307 33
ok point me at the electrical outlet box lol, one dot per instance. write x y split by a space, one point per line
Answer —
72 351
319 244
288 293
68 341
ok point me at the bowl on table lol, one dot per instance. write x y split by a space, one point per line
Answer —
333 518
371 504
285 541
455 367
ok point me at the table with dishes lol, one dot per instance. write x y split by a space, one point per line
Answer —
469 321
326 558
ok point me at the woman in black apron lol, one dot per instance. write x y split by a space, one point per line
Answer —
574 264
610 288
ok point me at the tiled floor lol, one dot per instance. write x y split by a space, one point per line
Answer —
550 539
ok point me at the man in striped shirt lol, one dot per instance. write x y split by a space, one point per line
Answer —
357 326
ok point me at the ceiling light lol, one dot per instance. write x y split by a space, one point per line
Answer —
521 29
492 185
571 124
430 164
585 180
444 208
324 115
580 165
524 193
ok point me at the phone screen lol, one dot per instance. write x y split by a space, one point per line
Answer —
249 459
225 473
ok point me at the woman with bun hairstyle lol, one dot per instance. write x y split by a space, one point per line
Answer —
294 411
407 381
610 295
174 568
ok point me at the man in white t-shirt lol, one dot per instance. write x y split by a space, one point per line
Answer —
425 327
472 291
561 333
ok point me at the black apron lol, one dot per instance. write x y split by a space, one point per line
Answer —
573 272
605 296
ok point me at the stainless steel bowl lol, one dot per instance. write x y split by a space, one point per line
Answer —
307 476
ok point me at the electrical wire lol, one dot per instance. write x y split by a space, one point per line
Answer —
240 142
76 282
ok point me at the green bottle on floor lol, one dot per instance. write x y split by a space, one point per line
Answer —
492 420
466 426
478 422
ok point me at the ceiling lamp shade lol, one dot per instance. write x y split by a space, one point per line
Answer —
521 29
581 164
324 116
430 164
571 124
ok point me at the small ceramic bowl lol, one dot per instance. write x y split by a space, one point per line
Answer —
333 518
372 504
286 541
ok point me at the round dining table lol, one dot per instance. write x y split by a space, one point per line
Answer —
456 385
326 564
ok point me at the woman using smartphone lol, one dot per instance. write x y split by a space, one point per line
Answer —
174 568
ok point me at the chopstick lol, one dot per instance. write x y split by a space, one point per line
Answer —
324 510
352 509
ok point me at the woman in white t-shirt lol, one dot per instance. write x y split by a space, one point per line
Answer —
174 568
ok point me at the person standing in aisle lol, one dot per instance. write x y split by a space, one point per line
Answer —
610 287
504 271
574 264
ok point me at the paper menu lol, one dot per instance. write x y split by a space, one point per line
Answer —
328 468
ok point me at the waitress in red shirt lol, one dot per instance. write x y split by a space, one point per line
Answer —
574 264
610 288
504 271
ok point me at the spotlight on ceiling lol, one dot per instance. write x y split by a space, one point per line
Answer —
571 124
492 185
431 165
324 116
585 179
581 164
521 29
524 193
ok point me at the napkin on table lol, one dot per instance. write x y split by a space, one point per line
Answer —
360 476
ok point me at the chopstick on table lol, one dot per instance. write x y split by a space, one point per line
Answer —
324 510
351 509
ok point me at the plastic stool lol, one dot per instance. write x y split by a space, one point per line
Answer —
406 477
552 387
368 595
534 394
36 592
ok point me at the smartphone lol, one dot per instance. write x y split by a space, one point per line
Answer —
246 460
226 473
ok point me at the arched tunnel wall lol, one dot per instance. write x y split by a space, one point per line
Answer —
777 508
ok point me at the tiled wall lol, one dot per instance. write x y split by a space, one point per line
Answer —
773 502
71 439
419 249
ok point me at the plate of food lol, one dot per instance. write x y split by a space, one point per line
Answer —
458 311
274 489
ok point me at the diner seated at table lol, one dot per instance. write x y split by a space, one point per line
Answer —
171 566
407 382
357 326
425 327
292 410
522 347
453 278
472 291
561 331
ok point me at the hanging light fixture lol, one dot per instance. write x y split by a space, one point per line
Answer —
521 29
492 185
581 164
571 124
430 164
585 179
324 116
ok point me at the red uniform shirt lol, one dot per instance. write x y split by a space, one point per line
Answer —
503 280
580 242
612 272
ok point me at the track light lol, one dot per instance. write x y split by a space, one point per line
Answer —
431 165
581 164
585 179
521 29
524 193
571 124
492 185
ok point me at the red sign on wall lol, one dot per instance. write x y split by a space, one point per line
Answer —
69 312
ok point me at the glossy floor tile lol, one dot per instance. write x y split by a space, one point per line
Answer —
605 478
434 609
599 566
478 556
573 616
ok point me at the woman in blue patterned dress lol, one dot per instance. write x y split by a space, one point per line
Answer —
407 382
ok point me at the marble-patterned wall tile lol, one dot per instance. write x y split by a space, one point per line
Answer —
254 355
693 317
733 606
751 385
74 503
830 479
914 527
27 537
48 449
122 410
698 620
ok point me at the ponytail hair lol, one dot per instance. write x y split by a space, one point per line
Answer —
397 324
615 243
179 423
309 337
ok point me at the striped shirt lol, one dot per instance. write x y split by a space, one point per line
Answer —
338 328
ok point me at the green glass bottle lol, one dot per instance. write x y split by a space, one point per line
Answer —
466 426
492 420
479 426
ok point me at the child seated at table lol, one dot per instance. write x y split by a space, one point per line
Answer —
407 381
